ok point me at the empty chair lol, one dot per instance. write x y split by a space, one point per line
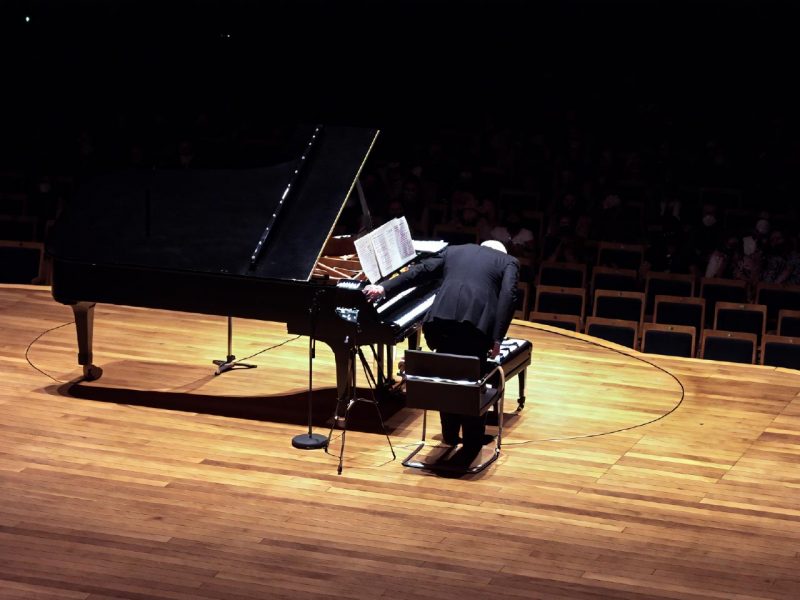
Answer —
562 274
731 346
780 351
714 289
628 306
619 331
672 340
789 323
733 316
522 299
679 310
620 256
21 262
777 297
666 284
569 322
610 278
561 300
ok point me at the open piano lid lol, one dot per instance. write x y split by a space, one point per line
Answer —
211 221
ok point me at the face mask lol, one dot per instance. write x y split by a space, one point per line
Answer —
709 220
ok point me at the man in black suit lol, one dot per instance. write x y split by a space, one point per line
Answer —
470 315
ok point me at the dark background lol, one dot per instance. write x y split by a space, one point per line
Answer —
394 63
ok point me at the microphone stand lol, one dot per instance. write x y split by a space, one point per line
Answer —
310 440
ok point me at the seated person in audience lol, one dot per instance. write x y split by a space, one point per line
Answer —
470 316
563 244
469 217
668 251
566 207
728 252
612 223
780 265
517 239
794 263
731 261
757 239
705 233
776 259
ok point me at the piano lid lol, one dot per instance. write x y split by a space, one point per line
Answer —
210 221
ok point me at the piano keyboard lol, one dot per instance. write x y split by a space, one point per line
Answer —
416 311
395 300
509 347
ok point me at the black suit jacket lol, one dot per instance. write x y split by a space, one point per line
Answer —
478 286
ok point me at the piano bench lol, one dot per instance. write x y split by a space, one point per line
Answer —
514 358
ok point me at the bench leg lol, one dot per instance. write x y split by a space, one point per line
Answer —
521 400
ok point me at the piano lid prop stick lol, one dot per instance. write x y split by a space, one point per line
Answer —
332 271
293 181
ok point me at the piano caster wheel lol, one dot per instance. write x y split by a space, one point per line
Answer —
91 372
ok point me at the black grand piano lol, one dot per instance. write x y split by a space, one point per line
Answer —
238 243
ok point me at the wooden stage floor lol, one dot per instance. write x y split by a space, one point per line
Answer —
626 475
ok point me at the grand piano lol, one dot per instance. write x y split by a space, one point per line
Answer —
238 243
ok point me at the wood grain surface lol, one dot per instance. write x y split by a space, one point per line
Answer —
626 476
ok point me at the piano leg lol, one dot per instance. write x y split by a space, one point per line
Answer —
84 325
413 340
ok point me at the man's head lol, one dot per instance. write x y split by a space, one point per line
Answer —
495 245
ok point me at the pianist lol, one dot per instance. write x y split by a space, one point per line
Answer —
470 315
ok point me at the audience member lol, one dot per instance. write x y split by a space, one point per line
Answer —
723 259
518 240
778 267
668 252
564 244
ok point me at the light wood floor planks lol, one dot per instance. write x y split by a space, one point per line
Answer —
620 479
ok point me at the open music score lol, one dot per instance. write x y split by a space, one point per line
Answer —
386 249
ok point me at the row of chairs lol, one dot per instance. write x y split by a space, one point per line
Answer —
680 340
571 278
668 309
687 312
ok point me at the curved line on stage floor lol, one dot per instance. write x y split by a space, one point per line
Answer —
289 406
605 345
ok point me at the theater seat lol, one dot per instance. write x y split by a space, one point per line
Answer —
731 346
780 351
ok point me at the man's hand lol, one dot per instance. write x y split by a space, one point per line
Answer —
374 292
495 350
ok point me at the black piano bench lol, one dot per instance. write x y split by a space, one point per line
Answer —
514 358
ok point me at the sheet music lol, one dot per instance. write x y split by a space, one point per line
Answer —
432 246
385 249
366 255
